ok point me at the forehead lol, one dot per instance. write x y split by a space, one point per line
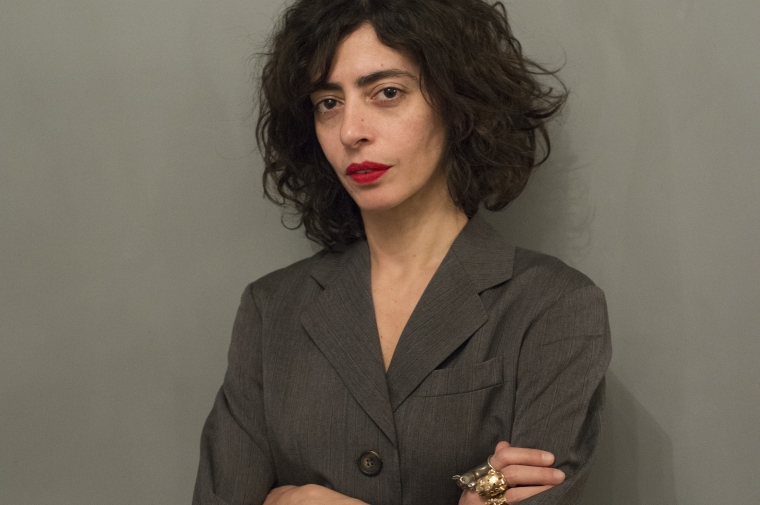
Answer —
362 53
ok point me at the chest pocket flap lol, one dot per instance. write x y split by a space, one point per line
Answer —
462 379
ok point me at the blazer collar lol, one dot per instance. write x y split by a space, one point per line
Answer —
450 310
341 321
486 257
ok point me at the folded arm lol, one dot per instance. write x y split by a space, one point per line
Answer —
235 464
560 388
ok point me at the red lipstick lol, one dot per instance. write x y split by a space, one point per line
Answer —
366 172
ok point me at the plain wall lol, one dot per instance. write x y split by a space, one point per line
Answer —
131 219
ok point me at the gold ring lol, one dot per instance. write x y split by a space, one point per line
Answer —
487 481
498 500
492 485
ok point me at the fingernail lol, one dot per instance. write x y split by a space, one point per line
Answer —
559 474
547 457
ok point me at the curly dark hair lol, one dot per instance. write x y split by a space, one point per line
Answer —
472 72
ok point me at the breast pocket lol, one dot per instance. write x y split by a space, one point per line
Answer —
463 379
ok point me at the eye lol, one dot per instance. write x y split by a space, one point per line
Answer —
389 93
325 105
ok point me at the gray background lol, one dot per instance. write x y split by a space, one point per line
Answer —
131 220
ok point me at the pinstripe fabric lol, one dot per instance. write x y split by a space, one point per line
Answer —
505 344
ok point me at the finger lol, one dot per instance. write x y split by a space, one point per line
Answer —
522 475
518 494
276 494
520 456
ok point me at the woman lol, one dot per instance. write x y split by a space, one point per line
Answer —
418 343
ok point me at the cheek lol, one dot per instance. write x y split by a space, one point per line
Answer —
426 130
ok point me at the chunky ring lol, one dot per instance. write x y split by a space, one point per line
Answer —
492 485
487 481
468 480
497 500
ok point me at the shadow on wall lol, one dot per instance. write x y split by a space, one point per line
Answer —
553 214
634 462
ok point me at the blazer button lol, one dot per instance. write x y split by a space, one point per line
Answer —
370 463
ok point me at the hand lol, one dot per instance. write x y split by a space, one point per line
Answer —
526 471
310 494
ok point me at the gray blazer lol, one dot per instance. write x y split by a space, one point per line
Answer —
505 344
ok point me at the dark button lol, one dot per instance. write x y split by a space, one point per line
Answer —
370 463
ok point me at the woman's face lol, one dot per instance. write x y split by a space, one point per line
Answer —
376 129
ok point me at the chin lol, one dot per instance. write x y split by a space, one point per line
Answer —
376 208
376 204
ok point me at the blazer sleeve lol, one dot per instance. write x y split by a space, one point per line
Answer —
235 462
560 387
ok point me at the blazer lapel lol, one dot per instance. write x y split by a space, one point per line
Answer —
341 322
450 310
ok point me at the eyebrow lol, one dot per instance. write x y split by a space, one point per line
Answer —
368 79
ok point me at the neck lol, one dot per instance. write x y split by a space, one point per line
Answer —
407 239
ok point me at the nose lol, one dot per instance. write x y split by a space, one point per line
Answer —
355 130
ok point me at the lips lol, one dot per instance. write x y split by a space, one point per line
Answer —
366 172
